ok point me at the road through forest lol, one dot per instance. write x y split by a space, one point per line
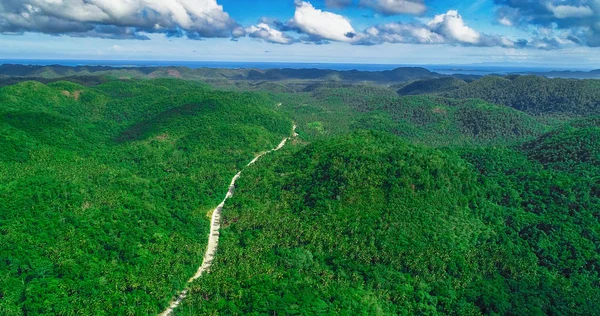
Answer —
215 226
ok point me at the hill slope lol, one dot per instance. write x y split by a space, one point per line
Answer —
432 86
430 120
367 224
104 192
537 95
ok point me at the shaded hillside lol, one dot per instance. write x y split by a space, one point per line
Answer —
572 146
367 224
432 86
332 110
537 95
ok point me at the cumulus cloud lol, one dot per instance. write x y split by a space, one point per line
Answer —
321 25
400 33
393 7
577 20
447 28
318 26
117 19
452 26
265 32
569 11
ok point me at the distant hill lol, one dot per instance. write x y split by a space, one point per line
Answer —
432 86
537 95
57 71
593 74
398 74
426 119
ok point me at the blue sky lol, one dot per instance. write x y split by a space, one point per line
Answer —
550 33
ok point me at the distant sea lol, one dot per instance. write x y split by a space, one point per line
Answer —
442 69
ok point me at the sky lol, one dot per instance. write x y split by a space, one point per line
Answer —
548 33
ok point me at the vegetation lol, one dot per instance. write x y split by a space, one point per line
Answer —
425 119
452 198
433 86
105 192
367 224
536 95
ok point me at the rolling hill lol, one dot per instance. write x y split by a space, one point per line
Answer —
368 224
56 71
384 204
432 86
104 191
536 95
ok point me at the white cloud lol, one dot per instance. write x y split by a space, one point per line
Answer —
268 34
401 33
577 20
505 21
198 18
393 7
321 24
448 28
569 11
451 25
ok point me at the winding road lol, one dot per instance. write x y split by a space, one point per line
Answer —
215 226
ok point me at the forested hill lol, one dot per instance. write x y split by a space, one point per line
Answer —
105 192
383 205
536 95
368 224
593 74
57 71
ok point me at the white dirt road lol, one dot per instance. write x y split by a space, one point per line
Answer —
215 226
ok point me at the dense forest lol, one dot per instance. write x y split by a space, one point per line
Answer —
537 95
431 86
330 110
105 191
532 94
435 196
368 224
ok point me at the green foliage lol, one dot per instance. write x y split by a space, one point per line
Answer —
443 122
434 86
368 224
537 95
105 194
573 146
426 119
105 191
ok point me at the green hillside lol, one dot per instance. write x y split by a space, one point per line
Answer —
368 224
573 146
383 205
105 191
537 95
432 86
329 110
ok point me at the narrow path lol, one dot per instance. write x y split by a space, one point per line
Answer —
215 226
